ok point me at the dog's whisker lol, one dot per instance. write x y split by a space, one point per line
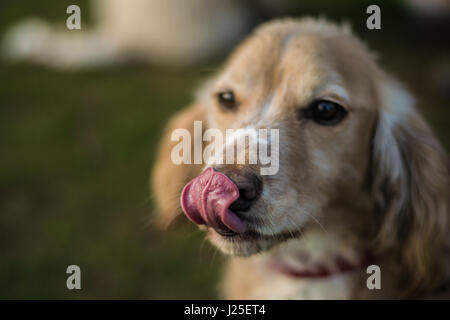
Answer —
315 220
193 234
202 246
216 251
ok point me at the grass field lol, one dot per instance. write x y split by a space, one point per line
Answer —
75 155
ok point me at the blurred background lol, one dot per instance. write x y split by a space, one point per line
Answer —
81 113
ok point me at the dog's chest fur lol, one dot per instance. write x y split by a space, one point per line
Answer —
256 278
274 286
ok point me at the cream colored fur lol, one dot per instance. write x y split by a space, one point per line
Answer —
377 181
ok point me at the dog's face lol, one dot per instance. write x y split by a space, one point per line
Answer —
355 157
319 91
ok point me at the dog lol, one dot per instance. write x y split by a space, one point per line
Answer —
168 33
363 183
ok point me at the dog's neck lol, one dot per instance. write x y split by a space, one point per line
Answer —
318 254
301 257
319 270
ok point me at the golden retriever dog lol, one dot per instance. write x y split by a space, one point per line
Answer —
362 180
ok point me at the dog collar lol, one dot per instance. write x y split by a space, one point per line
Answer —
341 266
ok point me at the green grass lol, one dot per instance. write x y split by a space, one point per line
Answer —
76 151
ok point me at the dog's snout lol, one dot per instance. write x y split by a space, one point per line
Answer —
250 186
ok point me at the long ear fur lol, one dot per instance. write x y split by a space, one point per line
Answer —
168 179
411 188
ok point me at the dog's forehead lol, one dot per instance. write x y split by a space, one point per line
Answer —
266 56
299 65
268 59
254 62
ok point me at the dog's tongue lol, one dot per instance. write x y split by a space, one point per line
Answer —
206 199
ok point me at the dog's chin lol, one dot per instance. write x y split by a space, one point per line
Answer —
248 243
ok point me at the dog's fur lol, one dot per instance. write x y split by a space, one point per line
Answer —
376 182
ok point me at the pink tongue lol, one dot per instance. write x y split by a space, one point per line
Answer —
206 199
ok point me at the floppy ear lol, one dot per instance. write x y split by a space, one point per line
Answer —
168 178
411 189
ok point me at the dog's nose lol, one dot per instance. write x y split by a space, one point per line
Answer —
249 184
216 197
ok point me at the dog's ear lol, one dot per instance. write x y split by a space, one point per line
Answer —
168 178
411 188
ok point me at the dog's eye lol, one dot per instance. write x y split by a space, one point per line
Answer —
325 112
227 100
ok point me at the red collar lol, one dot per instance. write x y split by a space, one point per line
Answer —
341 266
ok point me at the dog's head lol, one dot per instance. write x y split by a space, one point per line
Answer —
352 148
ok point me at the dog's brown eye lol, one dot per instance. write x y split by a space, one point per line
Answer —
227 100
325 112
